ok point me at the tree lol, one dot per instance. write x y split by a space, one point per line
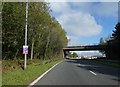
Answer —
46 37
114 43
101 41
116 33
12 29
74 54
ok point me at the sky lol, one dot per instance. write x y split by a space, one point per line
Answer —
86 22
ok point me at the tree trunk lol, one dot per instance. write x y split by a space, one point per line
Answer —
16 54
32 49
47 44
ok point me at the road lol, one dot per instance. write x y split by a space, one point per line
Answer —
80 72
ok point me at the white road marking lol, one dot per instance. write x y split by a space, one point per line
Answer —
93 72
35 81
80 65
87 65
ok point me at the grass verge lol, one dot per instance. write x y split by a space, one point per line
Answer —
104 62
0 76
24 77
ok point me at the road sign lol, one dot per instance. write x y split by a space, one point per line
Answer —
25 49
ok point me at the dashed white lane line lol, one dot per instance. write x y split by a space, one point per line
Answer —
35 81
93 72
87 65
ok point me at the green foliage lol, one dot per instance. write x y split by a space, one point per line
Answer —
70 54
75 54
46 38
102 41
116 32
12 28
114 44
116 36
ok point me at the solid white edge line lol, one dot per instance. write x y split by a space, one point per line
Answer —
93 72
35 81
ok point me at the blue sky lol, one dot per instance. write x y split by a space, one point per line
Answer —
86 22
102 15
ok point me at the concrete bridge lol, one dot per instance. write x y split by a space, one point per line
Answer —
84 48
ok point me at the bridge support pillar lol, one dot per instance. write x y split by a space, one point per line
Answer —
64 53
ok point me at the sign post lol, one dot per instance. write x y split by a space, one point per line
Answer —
25 48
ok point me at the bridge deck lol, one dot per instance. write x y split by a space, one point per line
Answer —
88 47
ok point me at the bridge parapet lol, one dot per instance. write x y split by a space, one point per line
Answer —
88 47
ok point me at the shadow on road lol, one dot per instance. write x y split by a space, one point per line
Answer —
98 68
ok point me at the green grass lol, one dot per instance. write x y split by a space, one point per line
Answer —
24 77
104 62
117 65
0 79
0 73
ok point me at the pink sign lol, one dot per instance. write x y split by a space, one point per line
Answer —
25 49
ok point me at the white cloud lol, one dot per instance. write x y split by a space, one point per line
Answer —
75 22
82 0
99 8
73 40
80 24
59 7
79 20
61 0
107 9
